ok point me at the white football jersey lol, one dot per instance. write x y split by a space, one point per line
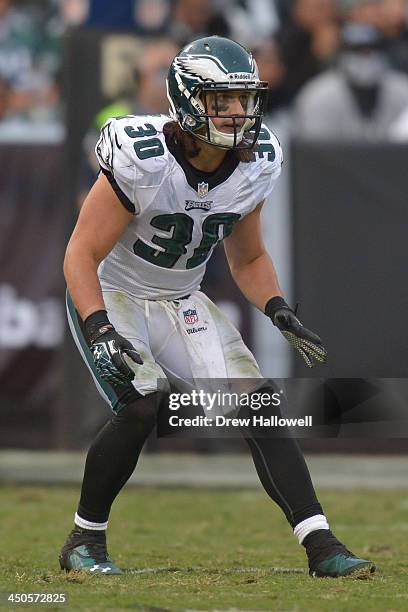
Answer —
180 213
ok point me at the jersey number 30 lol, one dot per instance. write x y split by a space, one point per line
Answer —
181 226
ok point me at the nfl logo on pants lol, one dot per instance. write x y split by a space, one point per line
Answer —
190 316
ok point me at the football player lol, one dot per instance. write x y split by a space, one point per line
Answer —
169 190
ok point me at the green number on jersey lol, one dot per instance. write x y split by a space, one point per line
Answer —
264 134
211 229
181 227
263 148
148 148
140 131
145 148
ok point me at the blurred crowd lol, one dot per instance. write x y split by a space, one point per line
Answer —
30 64
338 67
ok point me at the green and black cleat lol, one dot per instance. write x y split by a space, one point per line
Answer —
85 550
343 565
329 558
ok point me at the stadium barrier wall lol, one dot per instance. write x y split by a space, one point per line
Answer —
350 219
32 318
350 214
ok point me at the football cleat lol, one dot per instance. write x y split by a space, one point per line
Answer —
342 565
85 550
329 558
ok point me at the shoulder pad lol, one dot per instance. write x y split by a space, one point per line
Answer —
265 167
135 139
132 152
133 147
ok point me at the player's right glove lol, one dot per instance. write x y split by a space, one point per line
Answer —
308 344
108 349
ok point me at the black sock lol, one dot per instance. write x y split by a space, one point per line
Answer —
113 456
322 544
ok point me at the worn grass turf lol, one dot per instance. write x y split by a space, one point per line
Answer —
205 550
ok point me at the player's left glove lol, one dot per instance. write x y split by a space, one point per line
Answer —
109 348
308 344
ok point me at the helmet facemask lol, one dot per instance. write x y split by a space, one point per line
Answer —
209 102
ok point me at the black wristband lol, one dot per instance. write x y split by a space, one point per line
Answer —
95 325
274 304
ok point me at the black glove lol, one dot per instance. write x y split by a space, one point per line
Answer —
308 344
108 349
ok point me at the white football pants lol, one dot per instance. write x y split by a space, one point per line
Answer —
181 342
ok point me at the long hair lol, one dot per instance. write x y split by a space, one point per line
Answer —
190 146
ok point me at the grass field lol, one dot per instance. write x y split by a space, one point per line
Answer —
204 550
